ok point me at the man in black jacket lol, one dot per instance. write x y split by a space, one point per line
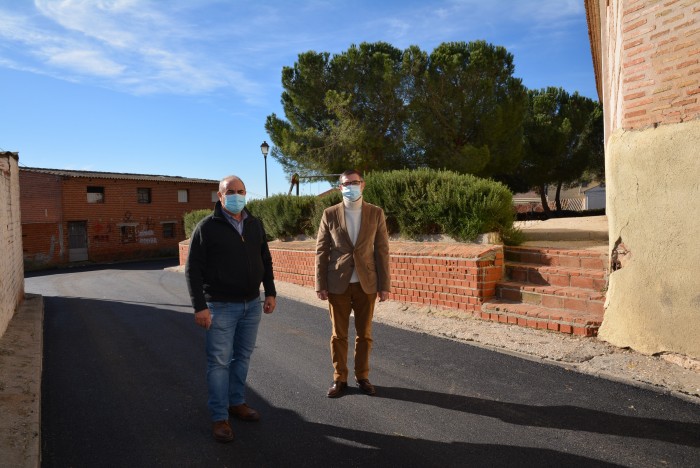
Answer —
228 260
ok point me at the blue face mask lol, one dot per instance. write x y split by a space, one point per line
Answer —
234 202
351 193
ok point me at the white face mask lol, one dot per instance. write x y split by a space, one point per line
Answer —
234 202
351 193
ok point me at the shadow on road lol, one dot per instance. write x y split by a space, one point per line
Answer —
567 417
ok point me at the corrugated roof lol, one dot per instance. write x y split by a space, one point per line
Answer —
117 175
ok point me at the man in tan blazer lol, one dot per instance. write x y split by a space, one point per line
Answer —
352 271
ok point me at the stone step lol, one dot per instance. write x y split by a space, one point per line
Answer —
551 289
553 319
557 257
557 297
575 277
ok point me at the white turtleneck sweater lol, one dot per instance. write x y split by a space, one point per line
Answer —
353 217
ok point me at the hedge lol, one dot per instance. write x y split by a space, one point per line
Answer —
416 203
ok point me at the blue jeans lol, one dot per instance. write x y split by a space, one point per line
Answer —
230 342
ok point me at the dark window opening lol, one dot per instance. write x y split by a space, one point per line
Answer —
143 195
168 230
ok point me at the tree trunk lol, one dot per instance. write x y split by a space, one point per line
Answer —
543 197
557 199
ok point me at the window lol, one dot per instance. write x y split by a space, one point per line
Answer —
168 230
214 197
143 195
95 194
183 196
128 234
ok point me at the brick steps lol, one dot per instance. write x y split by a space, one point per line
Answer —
556 275
580 299
551 289
545 318
557 257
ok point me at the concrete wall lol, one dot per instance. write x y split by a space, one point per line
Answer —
11 266
647 59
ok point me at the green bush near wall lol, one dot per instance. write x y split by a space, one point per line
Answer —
192 218
427 201
284 216
416 203
321 204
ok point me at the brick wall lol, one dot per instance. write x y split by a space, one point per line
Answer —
447 275
659 71
43 245
119 228
11 267
42 215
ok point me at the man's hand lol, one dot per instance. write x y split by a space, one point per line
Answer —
383 295
203 318
323 294
269 305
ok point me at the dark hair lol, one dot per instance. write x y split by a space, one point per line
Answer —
350 172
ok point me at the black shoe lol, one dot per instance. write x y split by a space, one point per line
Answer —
337 389
366 387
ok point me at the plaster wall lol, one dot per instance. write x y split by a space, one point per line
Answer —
11 266
653 198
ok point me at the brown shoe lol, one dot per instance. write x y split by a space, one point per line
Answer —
366 387
244 412
337 389
222 431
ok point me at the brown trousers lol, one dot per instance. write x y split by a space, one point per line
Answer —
340 305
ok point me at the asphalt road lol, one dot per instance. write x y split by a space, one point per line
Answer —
124 385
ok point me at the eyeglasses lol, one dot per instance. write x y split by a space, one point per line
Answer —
351 182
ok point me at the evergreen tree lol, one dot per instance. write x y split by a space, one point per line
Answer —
563 137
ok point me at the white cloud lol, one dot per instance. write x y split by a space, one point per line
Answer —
85 61
130 45
217 46
114 23
184 55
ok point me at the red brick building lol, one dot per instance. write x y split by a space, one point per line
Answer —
74 216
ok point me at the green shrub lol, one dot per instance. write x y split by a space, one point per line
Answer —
403 196
512 236
283 216
427 201
193 218
320 204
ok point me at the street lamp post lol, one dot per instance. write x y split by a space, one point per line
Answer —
265 148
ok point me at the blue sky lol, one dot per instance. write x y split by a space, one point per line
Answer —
183 87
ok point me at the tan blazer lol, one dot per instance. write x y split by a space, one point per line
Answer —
336 256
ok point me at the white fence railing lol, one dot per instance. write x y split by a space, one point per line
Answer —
572 204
